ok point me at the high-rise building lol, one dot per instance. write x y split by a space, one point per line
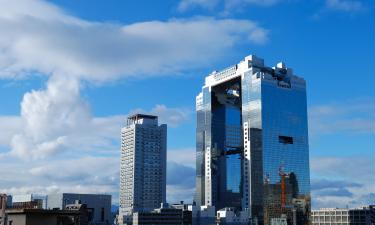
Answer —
143 165
252 143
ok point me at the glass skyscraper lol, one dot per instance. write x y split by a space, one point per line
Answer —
252 143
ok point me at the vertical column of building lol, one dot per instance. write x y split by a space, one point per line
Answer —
246 198
127 169
163 160
203 136
200 134
208 178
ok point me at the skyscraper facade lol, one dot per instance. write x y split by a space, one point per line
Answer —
143 165
252 142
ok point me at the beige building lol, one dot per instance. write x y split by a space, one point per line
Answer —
336 216
43 217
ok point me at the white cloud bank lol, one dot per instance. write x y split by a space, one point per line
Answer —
342 181
354 116
38 37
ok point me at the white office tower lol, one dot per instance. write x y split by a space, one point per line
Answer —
143 166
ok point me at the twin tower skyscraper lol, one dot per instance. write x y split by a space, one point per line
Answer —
252 153
252 143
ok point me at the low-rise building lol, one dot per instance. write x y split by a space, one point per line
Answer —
203 215
162 216
98 205
336 216
228 216
3 204
39 199
187 214
43 217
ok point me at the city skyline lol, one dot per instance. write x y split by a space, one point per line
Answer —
72 72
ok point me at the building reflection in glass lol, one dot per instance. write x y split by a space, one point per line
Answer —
252 143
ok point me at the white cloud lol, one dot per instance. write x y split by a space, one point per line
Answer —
229 5
351 116
170 116
54 126
48 117
37 37
84 174
184 156
69 50
9 125
345 5
342 181
50 41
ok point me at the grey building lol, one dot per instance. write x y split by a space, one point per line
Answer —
3 206
39 199
203 215
336 216
98 205
143 165
187 214
252 143
161 216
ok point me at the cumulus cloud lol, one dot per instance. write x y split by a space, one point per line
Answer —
38 37
49 41
48 117
71 129
351 116
9 126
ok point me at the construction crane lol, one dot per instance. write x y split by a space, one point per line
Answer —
283 175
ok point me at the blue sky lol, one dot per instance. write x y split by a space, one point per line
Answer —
70 72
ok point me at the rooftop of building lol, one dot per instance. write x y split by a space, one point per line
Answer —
81 194
141 116
343 209
280 73
42 211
